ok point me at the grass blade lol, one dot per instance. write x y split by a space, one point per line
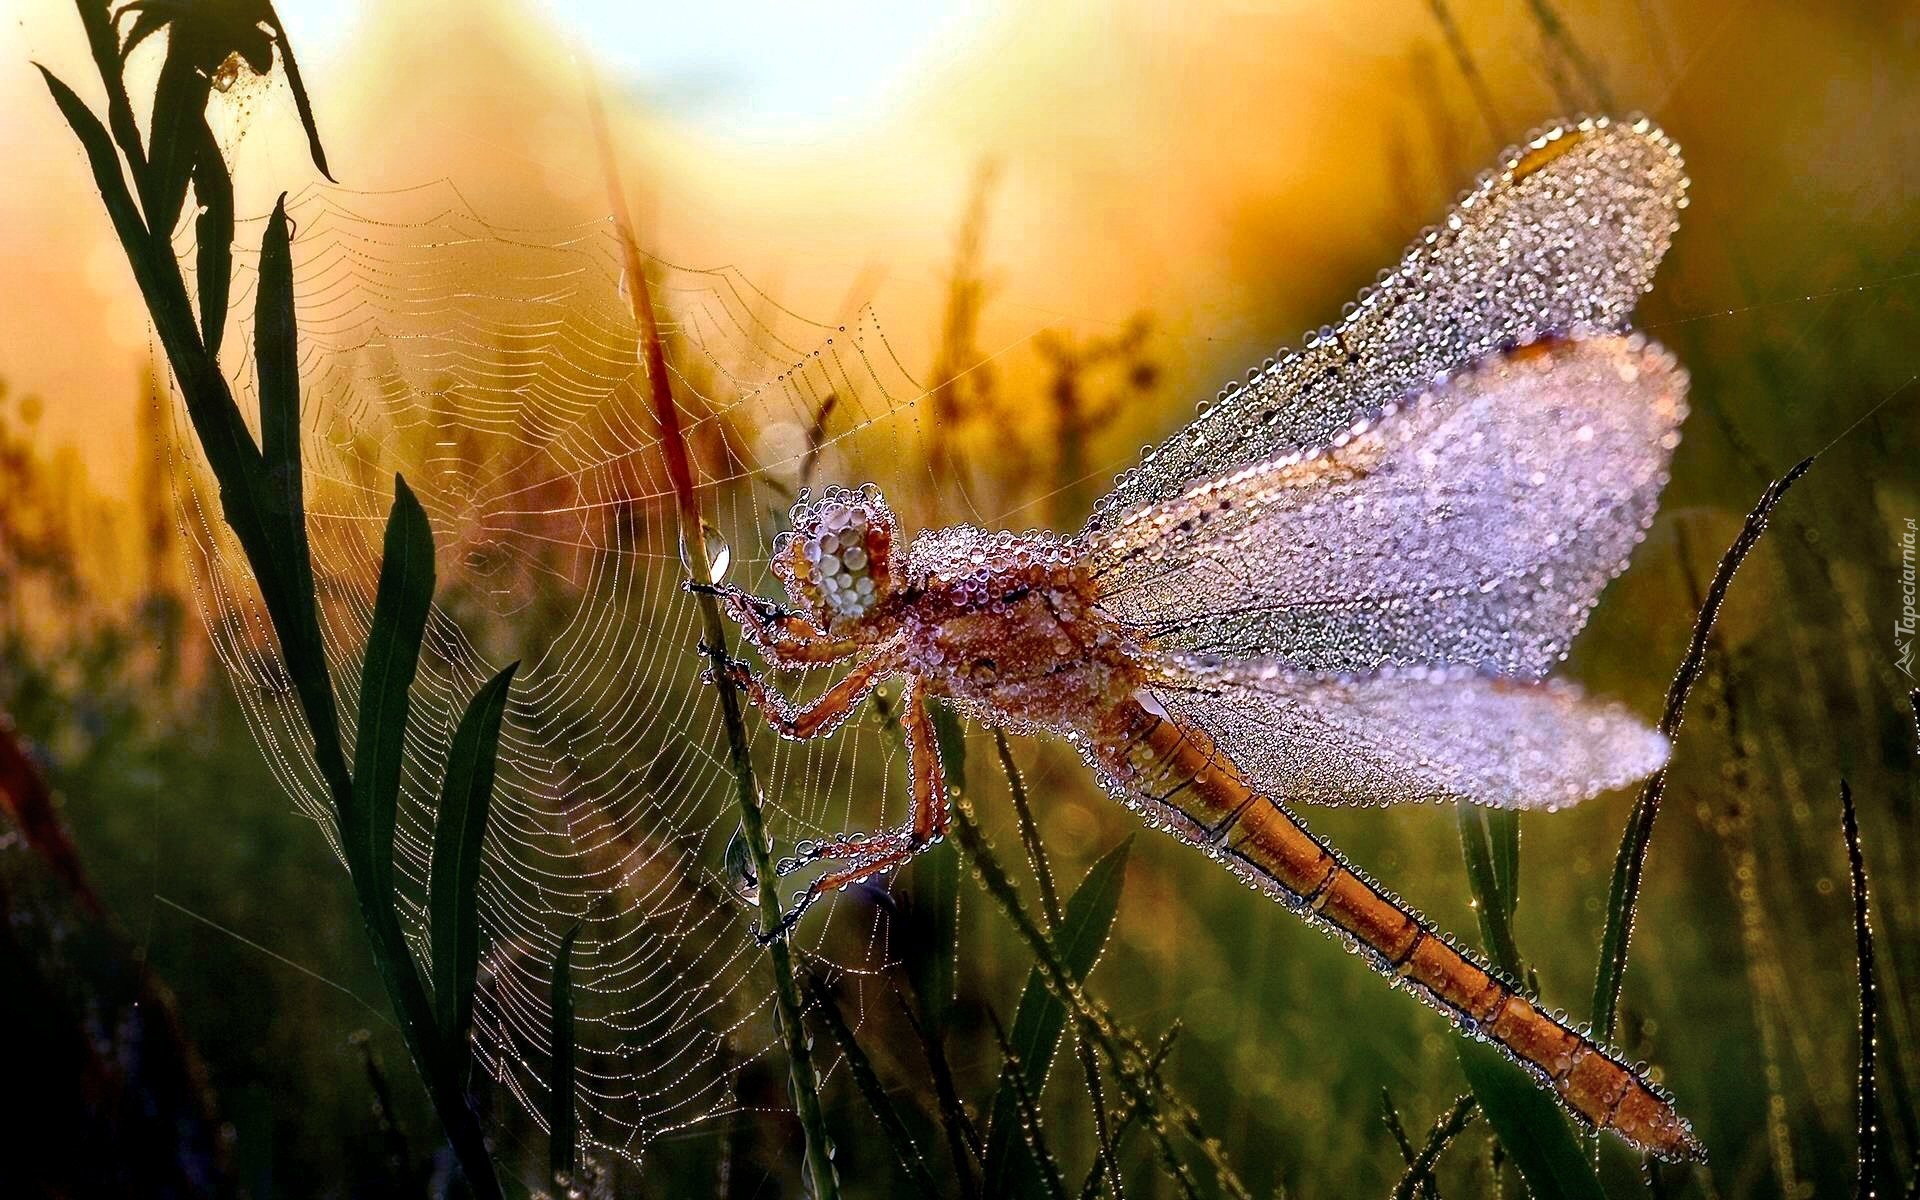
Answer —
1624 893
1493 903
1528 1122
400 609
933 957
1041 1019
893 1127
301 102
803 1082
1867 1101
1028 1109
276 349
1530 1126
562 1117
466 798
276 352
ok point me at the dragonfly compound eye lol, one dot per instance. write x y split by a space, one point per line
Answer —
839 558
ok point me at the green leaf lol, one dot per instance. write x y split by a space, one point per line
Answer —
213 231
562 1120
1041 1019
1530 1126
931 957
1503 833
1492 903
466 797
400 610
179 124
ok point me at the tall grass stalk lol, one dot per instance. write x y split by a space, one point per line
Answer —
1866 1092
803 1082
1630 863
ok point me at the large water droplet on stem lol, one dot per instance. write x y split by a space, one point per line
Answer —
719 554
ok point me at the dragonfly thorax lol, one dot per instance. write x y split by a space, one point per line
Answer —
1008 624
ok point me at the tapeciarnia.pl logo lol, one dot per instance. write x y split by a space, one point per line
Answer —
1904 624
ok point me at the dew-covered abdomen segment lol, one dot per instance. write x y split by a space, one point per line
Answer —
1181 781
1471 524
1564 238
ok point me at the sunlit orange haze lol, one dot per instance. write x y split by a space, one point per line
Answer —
1148 158
1214 167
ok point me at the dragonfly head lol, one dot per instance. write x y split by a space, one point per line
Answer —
838 561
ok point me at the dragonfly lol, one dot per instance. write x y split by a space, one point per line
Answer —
1346 582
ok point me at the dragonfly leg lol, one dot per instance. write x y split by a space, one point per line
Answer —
824 714
864 855
785 638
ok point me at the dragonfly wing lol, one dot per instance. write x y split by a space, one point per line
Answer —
1563 239
1473 525
1410 734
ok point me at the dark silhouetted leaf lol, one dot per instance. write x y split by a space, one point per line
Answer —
147 23
213 232
466 797
1041 1019
400 610
107 176
562 1119
179 125
276 349
300 99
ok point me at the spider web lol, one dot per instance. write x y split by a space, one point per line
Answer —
498 370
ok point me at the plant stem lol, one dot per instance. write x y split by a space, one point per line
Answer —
802 1081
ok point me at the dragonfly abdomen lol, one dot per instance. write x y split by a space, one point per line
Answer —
1190 787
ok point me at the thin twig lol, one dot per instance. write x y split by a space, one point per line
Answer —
1555 30
1390 1117
963 1139
906 1150
1631 862
1129 1112
1108 1163
1029 831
